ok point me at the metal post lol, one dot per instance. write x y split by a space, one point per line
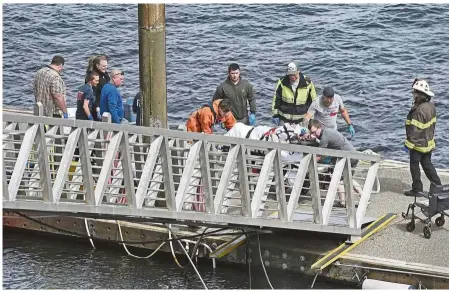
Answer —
153 83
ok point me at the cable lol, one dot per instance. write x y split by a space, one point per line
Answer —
126 249
82 236
88 233
261 261
314 279
194 267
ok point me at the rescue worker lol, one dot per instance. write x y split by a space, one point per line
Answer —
293 95
240 92
420 131
326 108
204 118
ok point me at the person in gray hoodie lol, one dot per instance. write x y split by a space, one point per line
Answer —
240 92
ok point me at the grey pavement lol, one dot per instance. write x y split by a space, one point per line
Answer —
394 241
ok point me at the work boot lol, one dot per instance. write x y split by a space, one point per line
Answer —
339 204
411 193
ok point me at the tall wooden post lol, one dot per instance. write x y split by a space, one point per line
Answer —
153 82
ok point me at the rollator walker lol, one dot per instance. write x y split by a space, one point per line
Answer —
438 197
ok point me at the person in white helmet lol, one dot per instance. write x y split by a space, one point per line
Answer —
420 131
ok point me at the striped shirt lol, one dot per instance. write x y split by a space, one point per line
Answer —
48 82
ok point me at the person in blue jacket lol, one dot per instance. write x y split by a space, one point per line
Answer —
110 98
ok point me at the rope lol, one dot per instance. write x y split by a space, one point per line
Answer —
190 260
171 247
88 233
126 249
261 261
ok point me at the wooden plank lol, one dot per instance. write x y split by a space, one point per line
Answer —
280 188
366 193
297 186
147 172
22 160
44 165
184 183
86 167
228 168
169 186
243 182
264 175
332 190
349 194
206 178
315 191
106 169
65 162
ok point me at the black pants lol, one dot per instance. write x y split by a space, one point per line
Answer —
426 163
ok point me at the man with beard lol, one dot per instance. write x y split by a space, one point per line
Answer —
240 92
326 108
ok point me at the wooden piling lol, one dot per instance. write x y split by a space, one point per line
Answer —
152 72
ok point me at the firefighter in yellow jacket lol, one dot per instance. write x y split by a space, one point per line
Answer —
293 95
420 131
203 119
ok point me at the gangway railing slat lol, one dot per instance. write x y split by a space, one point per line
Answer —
332 191
259 192
65 164
21 163
315 190
107 166
225 177
298 186
147 172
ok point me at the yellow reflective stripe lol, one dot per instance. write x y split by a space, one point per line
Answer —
291 116
430 146
409 144
421 125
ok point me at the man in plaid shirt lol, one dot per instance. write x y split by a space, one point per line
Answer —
49 89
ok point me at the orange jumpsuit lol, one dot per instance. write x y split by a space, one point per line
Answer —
204 118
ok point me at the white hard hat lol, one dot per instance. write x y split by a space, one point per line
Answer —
422 86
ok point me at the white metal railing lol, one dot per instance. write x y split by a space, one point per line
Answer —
76 166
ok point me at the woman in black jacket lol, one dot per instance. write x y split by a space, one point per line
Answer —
98 64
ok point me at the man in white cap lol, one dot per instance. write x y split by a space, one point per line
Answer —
293 95
420 132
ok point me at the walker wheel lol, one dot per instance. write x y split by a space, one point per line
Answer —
440 221
427 232
410 226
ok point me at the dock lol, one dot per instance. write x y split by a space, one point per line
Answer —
390 254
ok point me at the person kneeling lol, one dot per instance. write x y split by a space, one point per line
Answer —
203 119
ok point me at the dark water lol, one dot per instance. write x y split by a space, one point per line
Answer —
34 262
369 53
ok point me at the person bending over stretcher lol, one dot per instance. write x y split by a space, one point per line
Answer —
203 119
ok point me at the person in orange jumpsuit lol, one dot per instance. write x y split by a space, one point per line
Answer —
205 117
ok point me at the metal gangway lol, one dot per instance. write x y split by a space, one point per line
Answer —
104 169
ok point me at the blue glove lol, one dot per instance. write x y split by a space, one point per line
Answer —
406 149
252 119
275 120
326 160
65 115
303 131
351 130
90 117
222 126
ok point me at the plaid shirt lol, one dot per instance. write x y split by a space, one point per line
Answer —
48 82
